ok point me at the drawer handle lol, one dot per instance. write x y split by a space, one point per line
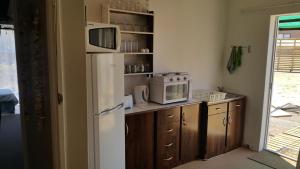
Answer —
183 119
127 129
169 159
224 121
218 108
229 120
238 105
169 145
171 116
170 130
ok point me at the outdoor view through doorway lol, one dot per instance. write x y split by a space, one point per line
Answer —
11 149
284 123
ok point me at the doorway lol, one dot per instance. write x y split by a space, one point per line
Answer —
283 133
28 40
11 145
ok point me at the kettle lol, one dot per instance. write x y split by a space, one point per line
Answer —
141 94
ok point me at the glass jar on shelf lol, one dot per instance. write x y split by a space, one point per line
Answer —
123 46
128 48
135 47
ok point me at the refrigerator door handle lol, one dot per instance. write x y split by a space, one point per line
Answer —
117 107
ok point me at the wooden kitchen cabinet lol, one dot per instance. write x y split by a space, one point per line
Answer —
163 139
235 124
190 133
221 127
139 141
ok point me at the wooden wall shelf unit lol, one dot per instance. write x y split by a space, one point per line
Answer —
137 34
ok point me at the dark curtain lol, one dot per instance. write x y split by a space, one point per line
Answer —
33 79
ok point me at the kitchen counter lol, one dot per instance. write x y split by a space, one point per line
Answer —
229 98
143 108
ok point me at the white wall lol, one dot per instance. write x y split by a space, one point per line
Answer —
72 50
251 27
189 36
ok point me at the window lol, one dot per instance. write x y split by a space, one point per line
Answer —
8 66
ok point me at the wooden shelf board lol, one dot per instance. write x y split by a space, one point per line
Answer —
129 12
137 53
137 74
135 32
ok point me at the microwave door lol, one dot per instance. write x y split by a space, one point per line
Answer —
176 92
102 38
109 39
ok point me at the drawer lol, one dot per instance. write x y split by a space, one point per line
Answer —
167 159
216 109
168 129
167 142
168 116
236 106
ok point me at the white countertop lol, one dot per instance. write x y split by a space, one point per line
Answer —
142 108
148 107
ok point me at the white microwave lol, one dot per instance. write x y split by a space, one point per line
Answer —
102 38
170 88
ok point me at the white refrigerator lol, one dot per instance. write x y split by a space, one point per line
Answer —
106 117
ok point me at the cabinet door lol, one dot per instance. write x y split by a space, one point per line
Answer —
139 141
216 134
235 125
190 133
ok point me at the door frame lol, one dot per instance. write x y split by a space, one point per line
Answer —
269 82
55 84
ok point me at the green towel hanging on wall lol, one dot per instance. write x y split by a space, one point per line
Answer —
239 56
235 59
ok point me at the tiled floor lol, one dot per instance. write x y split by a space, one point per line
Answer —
236 159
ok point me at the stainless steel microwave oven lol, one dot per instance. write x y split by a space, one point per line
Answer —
102 38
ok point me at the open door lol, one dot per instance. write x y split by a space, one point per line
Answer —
283 88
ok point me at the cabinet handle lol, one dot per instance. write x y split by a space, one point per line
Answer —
229 120
169 145
171 116
127 129
218 108
170 130
183 119
169 159
238 105
224 121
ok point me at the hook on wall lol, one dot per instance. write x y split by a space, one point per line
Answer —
244 47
